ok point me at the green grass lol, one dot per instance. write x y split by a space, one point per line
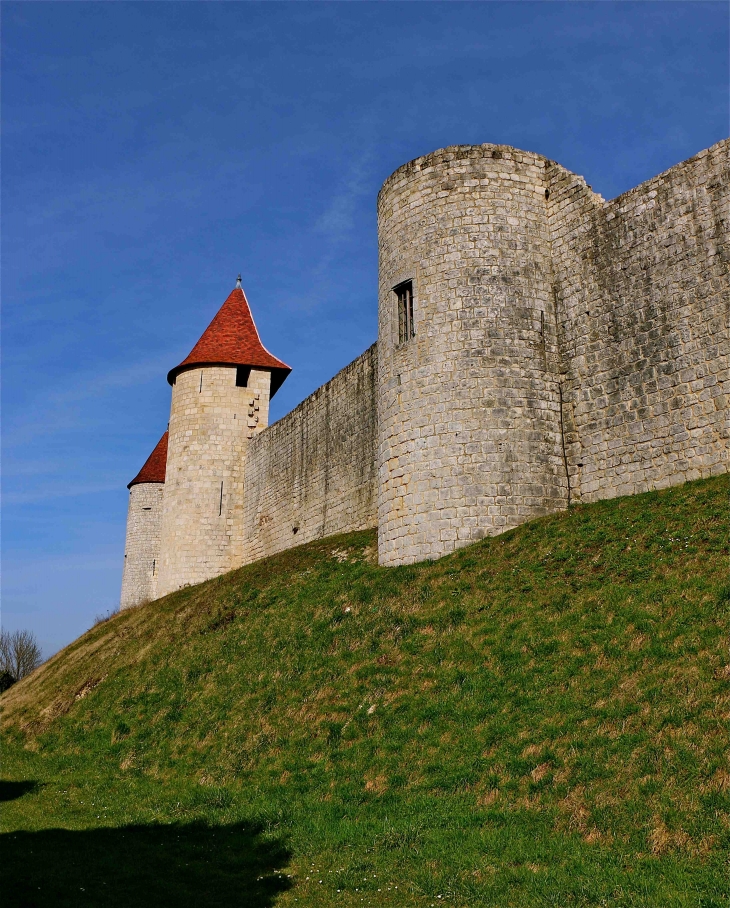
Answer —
537 720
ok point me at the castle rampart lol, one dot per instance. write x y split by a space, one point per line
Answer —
323 457
537 346
641 284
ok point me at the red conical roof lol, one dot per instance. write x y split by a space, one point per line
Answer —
155 466
231 339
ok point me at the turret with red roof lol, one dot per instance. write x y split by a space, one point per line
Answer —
231 339
185 505
220 401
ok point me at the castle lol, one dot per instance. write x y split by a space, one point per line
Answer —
537 346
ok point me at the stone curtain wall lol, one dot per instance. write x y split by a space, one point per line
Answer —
211 423
312 474
469 409
142 546
643 295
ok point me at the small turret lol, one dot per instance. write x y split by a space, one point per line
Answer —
142 547
220 400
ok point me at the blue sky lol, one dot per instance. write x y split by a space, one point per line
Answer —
151 151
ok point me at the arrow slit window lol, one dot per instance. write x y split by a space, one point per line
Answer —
406 328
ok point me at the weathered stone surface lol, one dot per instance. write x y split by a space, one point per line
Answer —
312 473
566 348
211 423
642 292
142 546
469 408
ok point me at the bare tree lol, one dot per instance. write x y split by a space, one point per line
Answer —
19 653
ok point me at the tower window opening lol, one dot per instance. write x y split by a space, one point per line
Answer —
242 376
220 502
200 389
406 328
154 565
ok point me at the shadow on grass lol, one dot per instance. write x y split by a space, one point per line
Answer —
185 865
9 791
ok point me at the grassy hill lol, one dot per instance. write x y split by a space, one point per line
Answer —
537 720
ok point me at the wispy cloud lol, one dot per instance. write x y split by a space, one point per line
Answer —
338 225
338 221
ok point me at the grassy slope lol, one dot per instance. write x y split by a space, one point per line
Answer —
538 719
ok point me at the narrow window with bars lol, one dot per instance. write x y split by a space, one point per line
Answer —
406 328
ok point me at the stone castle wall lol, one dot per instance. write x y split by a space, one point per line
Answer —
312 473
142 545
211 423
565 349
642 291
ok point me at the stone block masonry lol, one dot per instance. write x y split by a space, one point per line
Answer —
211 423
565 348
469 407
312 473
641 287
537 346
142 546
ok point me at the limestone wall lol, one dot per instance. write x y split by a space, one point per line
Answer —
643 295
469 409
142 546
312 473
565 349
211 423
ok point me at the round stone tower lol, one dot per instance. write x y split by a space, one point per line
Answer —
220 399
469 405
142 546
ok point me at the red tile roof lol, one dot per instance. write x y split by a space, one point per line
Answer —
231 339
155 466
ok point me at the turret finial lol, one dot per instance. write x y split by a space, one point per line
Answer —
238 283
